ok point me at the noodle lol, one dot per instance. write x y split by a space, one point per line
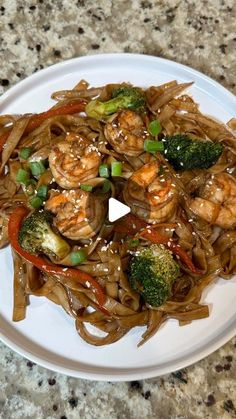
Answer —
96 291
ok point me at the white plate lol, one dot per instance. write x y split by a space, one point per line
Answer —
47 335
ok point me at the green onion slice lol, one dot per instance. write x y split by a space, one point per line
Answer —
133 242
25 152
161 171
152 146
30 187
37 168
87 188
36 202
22 176
104 171
106 186
116 168
42 191
154 128
78 257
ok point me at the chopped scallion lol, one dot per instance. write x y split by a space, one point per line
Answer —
104 170
78 257
106 186
154 128
161 171
116 168
37 168
87 188
152 146
25 152
42 191
133 242
30 187
36 202
22 176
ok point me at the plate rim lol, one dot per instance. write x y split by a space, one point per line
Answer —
5 96
120 374
125 374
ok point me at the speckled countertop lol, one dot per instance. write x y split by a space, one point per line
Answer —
35 34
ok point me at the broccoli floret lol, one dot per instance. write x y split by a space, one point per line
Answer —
152 273
122 98
36 236
183 153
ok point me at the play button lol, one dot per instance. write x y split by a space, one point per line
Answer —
116 209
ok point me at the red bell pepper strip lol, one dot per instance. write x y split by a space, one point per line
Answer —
35 120
130 224
14 224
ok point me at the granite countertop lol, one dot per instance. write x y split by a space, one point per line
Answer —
35 34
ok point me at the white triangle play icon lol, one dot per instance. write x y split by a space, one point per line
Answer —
116 209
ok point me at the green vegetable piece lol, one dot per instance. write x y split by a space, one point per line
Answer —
25 152
153 146
183 153
36 202
87 188
37 168
42 191
22 176
133 243
153 272
154 128
116 168
78 257
124 97
36 236
30 187
161 171
104 170
106 186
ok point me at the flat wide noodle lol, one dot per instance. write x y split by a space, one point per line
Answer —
20 296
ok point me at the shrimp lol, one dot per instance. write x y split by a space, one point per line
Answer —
126 132
217 201
151 197
79 214
73 161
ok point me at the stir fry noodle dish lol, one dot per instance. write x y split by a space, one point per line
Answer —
151 149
